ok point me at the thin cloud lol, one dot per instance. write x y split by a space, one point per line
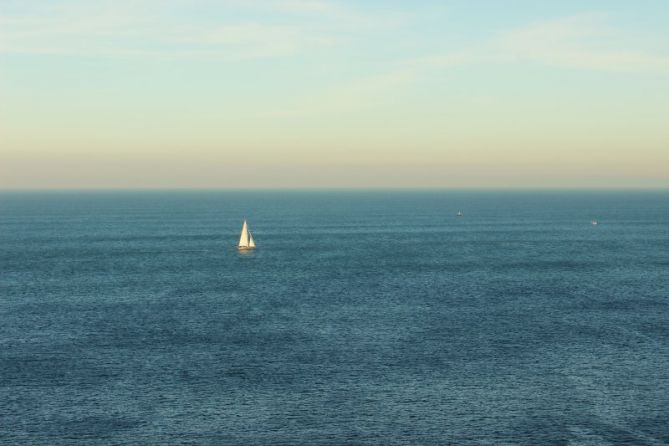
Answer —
307 6
334 15
181 28
128 30
585 41
581 42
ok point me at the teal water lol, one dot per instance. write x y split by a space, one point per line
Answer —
362 318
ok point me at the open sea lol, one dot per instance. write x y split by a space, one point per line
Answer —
363 318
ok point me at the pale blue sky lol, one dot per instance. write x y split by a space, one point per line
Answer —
320 93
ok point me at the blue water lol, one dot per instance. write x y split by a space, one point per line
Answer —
130 318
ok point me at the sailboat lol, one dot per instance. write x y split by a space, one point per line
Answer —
246 241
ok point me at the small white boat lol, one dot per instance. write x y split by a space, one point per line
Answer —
459 214
246 241
594 222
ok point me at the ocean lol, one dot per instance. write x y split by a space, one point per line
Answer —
362 318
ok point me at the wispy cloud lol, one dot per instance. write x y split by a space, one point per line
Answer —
126 29
152 28
307 6
336 15
586 41
581 42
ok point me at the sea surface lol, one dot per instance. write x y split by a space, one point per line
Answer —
363 318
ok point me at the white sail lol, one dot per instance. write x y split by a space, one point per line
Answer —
252 244
244 238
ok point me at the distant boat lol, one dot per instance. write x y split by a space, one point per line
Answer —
594 222
246 241
459 214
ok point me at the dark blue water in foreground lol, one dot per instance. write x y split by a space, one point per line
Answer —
362 318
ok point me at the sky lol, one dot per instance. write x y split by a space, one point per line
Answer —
334 93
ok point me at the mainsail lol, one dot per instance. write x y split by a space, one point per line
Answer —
246 239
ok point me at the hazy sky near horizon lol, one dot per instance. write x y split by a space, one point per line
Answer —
329 93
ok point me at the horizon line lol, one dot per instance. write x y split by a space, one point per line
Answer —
338 188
